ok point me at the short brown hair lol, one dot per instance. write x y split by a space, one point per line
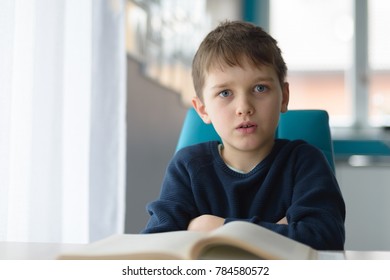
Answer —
231 42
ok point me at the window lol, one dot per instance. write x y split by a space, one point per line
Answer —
379 62
334 64
164 36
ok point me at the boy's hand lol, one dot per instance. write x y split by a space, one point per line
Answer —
205 223
283 221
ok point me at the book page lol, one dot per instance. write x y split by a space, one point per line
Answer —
256 240
168 245
219 251
235 240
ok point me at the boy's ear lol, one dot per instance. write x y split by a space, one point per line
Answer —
200 108
285 97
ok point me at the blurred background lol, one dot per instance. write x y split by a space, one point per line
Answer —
338 55
93 95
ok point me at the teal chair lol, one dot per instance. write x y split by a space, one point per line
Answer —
309 125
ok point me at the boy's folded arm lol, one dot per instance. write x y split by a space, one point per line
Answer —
316 214
283 221
320 235
210 222
206 223
175 207
168 216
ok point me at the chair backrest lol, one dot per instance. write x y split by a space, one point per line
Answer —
195 131
309 125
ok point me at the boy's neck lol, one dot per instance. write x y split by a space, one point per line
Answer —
244 161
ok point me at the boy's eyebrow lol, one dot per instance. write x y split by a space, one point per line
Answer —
256 80
265 78
217 86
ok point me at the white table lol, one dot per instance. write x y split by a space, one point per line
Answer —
50 251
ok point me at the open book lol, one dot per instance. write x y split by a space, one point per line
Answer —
235 240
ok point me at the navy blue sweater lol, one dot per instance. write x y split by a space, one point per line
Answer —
293 181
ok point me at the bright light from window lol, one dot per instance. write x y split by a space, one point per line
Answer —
379 61
313 35
316 39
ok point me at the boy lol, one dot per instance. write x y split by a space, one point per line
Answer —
286 186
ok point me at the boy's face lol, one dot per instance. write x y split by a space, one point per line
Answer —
243 104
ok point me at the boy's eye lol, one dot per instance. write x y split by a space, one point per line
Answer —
225 93
260 88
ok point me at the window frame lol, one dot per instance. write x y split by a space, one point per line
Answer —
357 78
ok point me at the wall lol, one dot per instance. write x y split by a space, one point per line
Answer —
366 193
154 119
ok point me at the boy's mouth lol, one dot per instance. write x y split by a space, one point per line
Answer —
247 127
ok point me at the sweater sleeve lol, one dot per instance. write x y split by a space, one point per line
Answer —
316 213
175 207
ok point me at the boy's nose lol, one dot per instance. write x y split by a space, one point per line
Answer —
245 108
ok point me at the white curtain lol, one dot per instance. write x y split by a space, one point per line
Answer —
62 120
